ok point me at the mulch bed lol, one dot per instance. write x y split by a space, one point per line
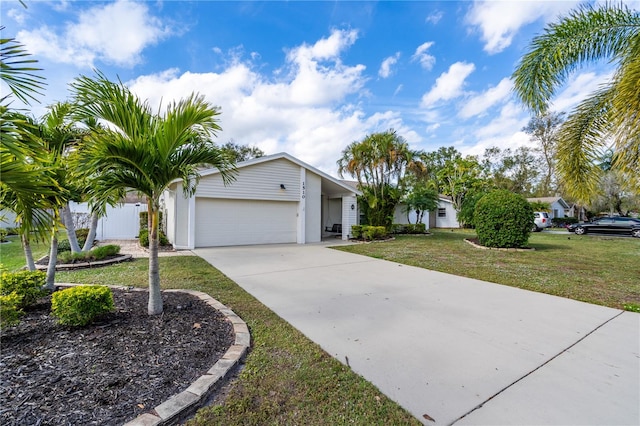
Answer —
112 371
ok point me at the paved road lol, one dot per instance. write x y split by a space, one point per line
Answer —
459 350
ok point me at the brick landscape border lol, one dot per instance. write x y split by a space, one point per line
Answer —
179 405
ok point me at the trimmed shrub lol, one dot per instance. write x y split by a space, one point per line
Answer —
102 252
374 232
65 245
356 231
82 233
144 238
408 228
26 284
503 219
10 311
3 235
416 228
78 306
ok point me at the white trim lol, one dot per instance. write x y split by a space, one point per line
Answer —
289 157
302 206
191 224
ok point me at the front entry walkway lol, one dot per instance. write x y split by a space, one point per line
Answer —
453 349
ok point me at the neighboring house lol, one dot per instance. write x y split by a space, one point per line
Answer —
444 217
559 207
7 219
274 199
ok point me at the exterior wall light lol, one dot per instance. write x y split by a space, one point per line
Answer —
282 186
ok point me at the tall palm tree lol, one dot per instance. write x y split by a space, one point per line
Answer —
610 115
145 152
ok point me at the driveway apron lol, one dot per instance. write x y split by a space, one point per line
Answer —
449 348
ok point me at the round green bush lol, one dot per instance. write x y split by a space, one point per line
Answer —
81 305
503 219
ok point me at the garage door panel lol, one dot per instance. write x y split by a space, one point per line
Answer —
223 222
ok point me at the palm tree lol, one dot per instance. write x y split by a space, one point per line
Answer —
145 152
379 162
609 115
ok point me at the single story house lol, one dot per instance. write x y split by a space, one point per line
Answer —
559 207
273 199
444 216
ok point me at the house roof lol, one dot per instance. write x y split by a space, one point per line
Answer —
550 200
330 185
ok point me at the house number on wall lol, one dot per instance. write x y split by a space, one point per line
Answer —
303 190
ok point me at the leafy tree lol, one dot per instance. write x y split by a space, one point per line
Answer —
435 161
610 114
540 206
460 177
466 213
421 198
516 171
543 129
145 152
379 162
238 153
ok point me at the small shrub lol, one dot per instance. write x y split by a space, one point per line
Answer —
10 311
3 235
144 238
356 231
398 228
374 232
26 284
503 219
78 306
632 307
102 252
416 228
12 231
82 233
63 245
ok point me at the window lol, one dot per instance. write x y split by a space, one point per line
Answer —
442 212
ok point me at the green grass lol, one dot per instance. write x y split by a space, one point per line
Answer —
601 270
287 378
12 255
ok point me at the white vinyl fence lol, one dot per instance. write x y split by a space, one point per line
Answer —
120 223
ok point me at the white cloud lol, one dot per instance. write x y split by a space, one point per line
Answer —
577 89
434 17
113 33
480 103
499 21
449 85
385 68
398 89
427 61
17 14
305 112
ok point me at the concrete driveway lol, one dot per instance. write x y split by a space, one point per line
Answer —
456 350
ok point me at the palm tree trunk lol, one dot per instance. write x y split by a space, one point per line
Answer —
53 259
26 246
67 220
155 296
92 232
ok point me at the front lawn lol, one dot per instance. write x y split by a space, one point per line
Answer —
602 270
287 379
12 255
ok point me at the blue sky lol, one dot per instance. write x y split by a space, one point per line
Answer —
309 78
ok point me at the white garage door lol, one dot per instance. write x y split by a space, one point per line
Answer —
222 222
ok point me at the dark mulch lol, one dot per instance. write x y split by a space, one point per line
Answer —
112 371
45 260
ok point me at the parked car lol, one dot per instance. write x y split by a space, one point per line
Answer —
608 225
541 220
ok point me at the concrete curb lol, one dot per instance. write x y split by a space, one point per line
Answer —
84 265
172 410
